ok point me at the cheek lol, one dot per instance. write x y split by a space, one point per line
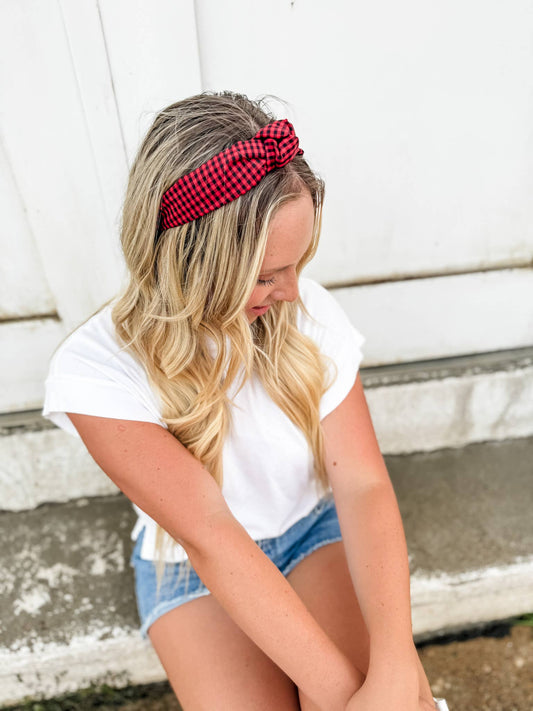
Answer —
255 298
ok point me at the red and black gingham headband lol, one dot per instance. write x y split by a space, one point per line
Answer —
228 175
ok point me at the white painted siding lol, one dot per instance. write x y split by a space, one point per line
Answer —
417 115
27 346
80 82
153 58
48 144
23 287
421 319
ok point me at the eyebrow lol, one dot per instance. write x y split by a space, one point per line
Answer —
274 270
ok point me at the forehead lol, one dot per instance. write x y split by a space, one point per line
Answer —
290 234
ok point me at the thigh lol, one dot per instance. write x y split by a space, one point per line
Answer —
323 582
212 664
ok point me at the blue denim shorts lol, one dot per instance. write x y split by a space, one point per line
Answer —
180 584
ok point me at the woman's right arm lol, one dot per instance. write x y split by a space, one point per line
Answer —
168 483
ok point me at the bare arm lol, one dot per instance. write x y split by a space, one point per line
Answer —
376 549
163 478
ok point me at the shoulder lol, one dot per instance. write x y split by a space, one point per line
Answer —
93 348
322 313
92 373
94 337
326 323
314 296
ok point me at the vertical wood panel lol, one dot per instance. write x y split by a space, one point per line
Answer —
153 54
23 287
90 61
49 149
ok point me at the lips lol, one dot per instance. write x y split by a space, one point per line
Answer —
261 309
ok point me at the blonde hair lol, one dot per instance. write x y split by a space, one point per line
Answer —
183 311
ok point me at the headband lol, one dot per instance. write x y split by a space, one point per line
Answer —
228 175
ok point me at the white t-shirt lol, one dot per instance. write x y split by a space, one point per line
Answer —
269 482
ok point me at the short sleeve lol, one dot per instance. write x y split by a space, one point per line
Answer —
91 374
336 337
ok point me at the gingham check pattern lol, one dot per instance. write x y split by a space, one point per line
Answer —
228 175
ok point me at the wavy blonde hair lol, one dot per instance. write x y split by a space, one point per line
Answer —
183 310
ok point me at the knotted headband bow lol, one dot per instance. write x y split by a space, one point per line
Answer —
228 175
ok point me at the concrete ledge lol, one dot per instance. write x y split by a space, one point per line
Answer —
40 463
468 523
451 403
52 669
68 612
125 659
471 598
439 368
415 407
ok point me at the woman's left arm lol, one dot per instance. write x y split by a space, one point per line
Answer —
376 550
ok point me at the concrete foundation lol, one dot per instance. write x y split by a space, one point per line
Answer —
68 611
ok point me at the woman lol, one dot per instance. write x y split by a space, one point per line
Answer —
220 393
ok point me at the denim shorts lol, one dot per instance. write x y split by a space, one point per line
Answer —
180 584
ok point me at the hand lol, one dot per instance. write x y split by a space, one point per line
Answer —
379 696
358 703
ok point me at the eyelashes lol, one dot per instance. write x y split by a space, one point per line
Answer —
266 282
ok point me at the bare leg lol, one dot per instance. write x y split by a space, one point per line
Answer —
212 664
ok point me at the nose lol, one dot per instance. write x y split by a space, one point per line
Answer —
288 289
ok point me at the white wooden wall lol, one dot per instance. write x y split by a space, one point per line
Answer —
417 114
